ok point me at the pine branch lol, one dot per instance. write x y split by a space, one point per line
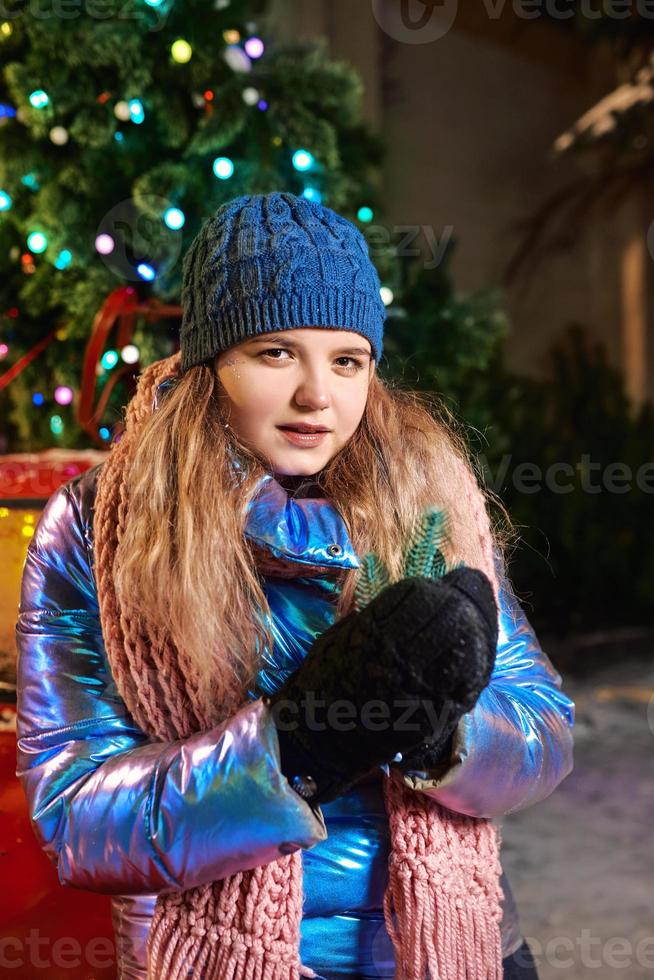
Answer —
423 555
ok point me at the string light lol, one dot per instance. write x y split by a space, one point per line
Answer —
104 244
64 259
56 424
223 168
303 160
5 201
37 242
63 395
254 47
236 58
146 271
38 98
386 294
122 111
181 51
130 353
365 214
174 218
109 359
59 135
250 96
136 113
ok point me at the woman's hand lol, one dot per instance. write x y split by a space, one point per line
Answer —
386 679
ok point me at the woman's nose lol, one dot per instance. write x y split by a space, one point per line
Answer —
313 392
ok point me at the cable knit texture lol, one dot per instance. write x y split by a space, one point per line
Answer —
275 261
442 905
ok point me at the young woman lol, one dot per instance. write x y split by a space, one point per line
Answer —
197 686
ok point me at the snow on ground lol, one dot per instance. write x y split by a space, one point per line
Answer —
581 863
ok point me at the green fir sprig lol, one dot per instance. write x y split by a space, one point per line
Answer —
423 555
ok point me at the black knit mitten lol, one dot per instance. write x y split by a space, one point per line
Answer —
427 757
386 679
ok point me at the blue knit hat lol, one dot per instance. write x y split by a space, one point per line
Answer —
275 261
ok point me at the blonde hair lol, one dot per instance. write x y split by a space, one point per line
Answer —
183 559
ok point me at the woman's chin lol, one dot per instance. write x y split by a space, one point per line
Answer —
301 463
284 468
291 471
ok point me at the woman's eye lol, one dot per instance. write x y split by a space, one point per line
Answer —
354 366
272 350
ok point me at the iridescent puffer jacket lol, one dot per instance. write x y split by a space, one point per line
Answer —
122 815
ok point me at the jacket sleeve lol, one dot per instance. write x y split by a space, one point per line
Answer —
116 812
516 745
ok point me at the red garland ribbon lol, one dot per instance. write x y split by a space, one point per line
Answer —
121 307
26 359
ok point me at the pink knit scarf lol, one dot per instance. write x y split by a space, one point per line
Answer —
442 906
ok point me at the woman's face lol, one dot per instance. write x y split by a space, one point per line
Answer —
307 375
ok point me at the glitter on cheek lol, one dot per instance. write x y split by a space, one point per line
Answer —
230 364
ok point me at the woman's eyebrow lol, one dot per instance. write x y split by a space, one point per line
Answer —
283 342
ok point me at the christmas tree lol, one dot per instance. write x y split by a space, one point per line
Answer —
122 128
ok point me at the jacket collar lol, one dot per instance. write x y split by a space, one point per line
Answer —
302 532
291 535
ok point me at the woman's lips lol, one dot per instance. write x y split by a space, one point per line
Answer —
306 439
